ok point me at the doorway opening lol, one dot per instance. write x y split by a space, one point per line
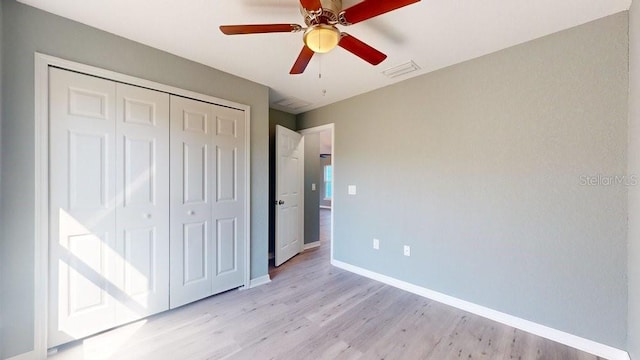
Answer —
317 192
319 188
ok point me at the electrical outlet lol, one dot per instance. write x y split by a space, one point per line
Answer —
407 250
352 190
376 244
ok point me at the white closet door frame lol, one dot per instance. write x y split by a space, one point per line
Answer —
41 218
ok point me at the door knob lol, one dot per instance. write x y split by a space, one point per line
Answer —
147 216
280 202
191 212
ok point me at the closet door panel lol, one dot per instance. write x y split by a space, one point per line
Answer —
147 203
142 184
230 195
82 269
192 188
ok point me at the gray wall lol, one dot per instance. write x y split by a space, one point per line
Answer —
2 260
312 174
478 168
26 30
634 192
276 117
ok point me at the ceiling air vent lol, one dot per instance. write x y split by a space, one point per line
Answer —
292 103
400 70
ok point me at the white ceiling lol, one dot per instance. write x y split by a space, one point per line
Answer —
432 33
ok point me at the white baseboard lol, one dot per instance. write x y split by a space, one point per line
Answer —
311 245
325 207
259 281
562 337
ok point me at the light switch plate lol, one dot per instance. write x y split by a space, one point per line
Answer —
313 187
352 190
376 244
407 250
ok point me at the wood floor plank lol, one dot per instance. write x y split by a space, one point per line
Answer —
312 310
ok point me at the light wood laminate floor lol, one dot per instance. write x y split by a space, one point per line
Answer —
312 310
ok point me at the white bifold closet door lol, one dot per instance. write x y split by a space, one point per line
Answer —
109 205
142 214
207 199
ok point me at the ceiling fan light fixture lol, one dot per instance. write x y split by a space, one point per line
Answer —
321 38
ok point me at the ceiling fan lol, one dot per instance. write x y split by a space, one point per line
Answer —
321 34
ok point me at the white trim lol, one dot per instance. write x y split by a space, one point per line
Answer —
317 129
311 245
247 200
41 216
262 280
325 207
41 209
302 192
562 337
119 77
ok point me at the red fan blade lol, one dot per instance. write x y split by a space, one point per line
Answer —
311 5
259 29
302 61
361 50
372 8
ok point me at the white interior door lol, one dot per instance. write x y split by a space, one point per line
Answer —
134 227
82 270
109 206
207 199
230 196
142 213
289 194
191 208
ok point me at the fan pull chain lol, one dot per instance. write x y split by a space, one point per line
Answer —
324 91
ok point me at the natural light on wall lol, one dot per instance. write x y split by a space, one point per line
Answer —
84 256
328 175
95 273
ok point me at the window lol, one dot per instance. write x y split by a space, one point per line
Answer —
328 175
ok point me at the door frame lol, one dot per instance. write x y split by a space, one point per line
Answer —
41 172
318 129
